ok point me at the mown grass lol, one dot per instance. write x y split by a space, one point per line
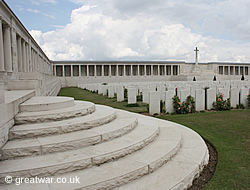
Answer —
228 131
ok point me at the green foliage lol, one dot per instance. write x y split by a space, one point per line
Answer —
139 98
241 106
220 104
125 93
184 107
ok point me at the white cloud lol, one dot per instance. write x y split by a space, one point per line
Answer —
151 30
33 10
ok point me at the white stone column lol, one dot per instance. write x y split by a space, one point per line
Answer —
87 70
71 70
7 49
95 74
24 56
145 70
165 70
152 70
117 70
1 47
110 70
158 69
138 70
80 71
27 59
124 70
172 70
154 102
131 70
102 70
63 71
55 70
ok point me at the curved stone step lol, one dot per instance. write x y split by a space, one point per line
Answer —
102 115
182 169
62 162
79 109
45 103
68 141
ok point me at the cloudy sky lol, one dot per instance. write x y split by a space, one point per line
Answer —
139 29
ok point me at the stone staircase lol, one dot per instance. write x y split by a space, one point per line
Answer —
103 147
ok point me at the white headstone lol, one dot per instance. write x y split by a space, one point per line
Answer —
211 97
154 102
2 98
184 95
234 97
145 95
120 93
169 102
99 89
131 95
199 99
104 90
111 93
243 96
224 91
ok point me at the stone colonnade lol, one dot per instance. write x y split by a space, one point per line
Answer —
234 69
129 69
18 50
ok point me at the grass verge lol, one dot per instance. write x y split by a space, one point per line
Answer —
228 131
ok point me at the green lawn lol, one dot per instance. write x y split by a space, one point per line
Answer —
228 131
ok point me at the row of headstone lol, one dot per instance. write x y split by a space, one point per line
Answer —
204 92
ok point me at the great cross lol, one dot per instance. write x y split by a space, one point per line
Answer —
196 56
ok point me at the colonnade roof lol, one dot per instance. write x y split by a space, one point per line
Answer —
144 62
118 62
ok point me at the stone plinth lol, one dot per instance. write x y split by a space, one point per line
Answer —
154 102
131 95
199 100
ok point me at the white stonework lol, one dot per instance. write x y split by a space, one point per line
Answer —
243 96
169 102
111 92
211 98
120 93
131 95
184 94
145 95
234 97
199 100
154 102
